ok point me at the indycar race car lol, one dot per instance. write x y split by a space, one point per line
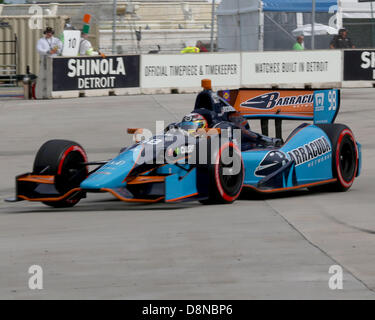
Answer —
211 155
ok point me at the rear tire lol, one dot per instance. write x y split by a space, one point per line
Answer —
63 159
344 157
223 188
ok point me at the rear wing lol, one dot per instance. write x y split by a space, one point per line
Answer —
320 106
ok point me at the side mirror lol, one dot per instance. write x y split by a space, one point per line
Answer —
137 134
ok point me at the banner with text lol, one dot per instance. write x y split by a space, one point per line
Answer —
359 65
187 70
267 68
93 73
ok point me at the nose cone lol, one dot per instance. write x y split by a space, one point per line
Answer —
113 174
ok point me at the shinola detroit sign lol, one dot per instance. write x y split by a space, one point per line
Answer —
90 73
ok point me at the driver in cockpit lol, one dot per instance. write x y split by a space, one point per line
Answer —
192 122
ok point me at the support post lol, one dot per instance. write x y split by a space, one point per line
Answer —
212 26
313 25
114 26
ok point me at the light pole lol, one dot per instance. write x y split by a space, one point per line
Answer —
372 23
114 27
313 25
212 25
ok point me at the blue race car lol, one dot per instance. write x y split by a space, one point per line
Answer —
211 155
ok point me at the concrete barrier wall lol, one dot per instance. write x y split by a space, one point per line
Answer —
182 73
70 77
314 68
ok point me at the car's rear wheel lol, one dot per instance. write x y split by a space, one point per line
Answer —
225 176
64 159
344 157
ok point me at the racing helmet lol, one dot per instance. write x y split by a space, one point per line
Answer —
192 122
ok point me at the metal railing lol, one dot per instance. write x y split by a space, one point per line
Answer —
8 71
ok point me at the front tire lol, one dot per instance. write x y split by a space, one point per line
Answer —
225 175
62 159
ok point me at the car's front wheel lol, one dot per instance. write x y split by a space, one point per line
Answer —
225 175
63 159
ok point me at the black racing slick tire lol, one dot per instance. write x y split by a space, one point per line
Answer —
225 175
344 156
62 159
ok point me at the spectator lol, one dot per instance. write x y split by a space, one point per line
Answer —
299 45
85 47
68 25
190 50
342 41
49 45
201 47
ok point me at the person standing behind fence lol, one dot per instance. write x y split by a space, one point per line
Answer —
190 50
201 47
49 45
299 45
85 47
342 41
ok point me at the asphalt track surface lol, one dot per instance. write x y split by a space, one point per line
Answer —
274 247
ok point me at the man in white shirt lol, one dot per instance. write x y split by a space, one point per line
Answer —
85 47
49 45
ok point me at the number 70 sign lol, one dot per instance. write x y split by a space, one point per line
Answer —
72 40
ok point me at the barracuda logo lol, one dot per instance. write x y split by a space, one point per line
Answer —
310 151
273 99
273 161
